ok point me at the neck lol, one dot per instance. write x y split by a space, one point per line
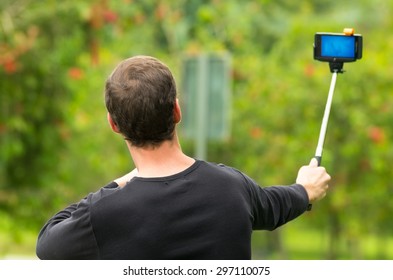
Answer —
164 160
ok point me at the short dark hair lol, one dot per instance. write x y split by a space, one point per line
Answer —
140 96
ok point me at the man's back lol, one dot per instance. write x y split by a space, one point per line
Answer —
197 214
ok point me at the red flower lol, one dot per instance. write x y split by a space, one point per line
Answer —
256 133
110 16
10 66
76 73
376 134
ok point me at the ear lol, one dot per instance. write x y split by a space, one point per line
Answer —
112 123
177 112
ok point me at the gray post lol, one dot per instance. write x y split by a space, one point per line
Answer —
202 111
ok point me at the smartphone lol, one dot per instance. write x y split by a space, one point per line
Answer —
334 47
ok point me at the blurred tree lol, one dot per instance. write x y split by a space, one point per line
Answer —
39 43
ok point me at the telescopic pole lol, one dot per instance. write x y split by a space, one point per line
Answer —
325 120
335 68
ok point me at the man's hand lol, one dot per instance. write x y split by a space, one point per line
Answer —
315 180
122 181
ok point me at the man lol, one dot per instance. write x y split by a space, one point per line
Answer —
171 206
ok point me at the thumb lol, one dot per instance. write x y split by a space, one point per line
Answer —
313 162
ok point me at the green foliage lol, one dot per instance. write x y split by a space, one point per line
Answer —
55 145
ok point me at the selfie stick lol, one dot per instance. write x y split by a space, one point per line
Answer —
325 120
335 68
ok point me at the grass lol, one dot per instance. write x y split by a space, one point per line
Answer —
299 242
17 240
20 245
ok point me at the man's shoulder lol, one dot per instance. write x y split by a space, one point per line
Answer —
222 170
107 190
207 166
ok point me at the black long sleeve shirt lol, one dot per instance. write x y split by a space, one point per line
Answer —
207 211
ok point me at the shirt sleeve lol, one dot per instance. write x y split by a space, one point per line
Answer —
69 234
274 206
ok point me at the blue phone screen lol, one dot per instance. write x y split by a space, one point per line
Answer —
338 46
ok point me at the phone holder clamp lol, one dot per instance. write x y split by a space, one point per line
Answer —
336 67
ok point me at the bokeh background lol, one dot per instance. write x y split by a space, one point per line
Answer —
56 146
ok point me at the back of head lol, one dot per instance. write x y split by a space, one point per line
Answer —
140 96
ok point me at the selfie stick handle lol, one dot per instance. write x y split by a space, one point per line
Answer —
325 120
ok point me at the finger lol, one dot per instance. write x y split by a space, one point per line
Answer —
314 162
